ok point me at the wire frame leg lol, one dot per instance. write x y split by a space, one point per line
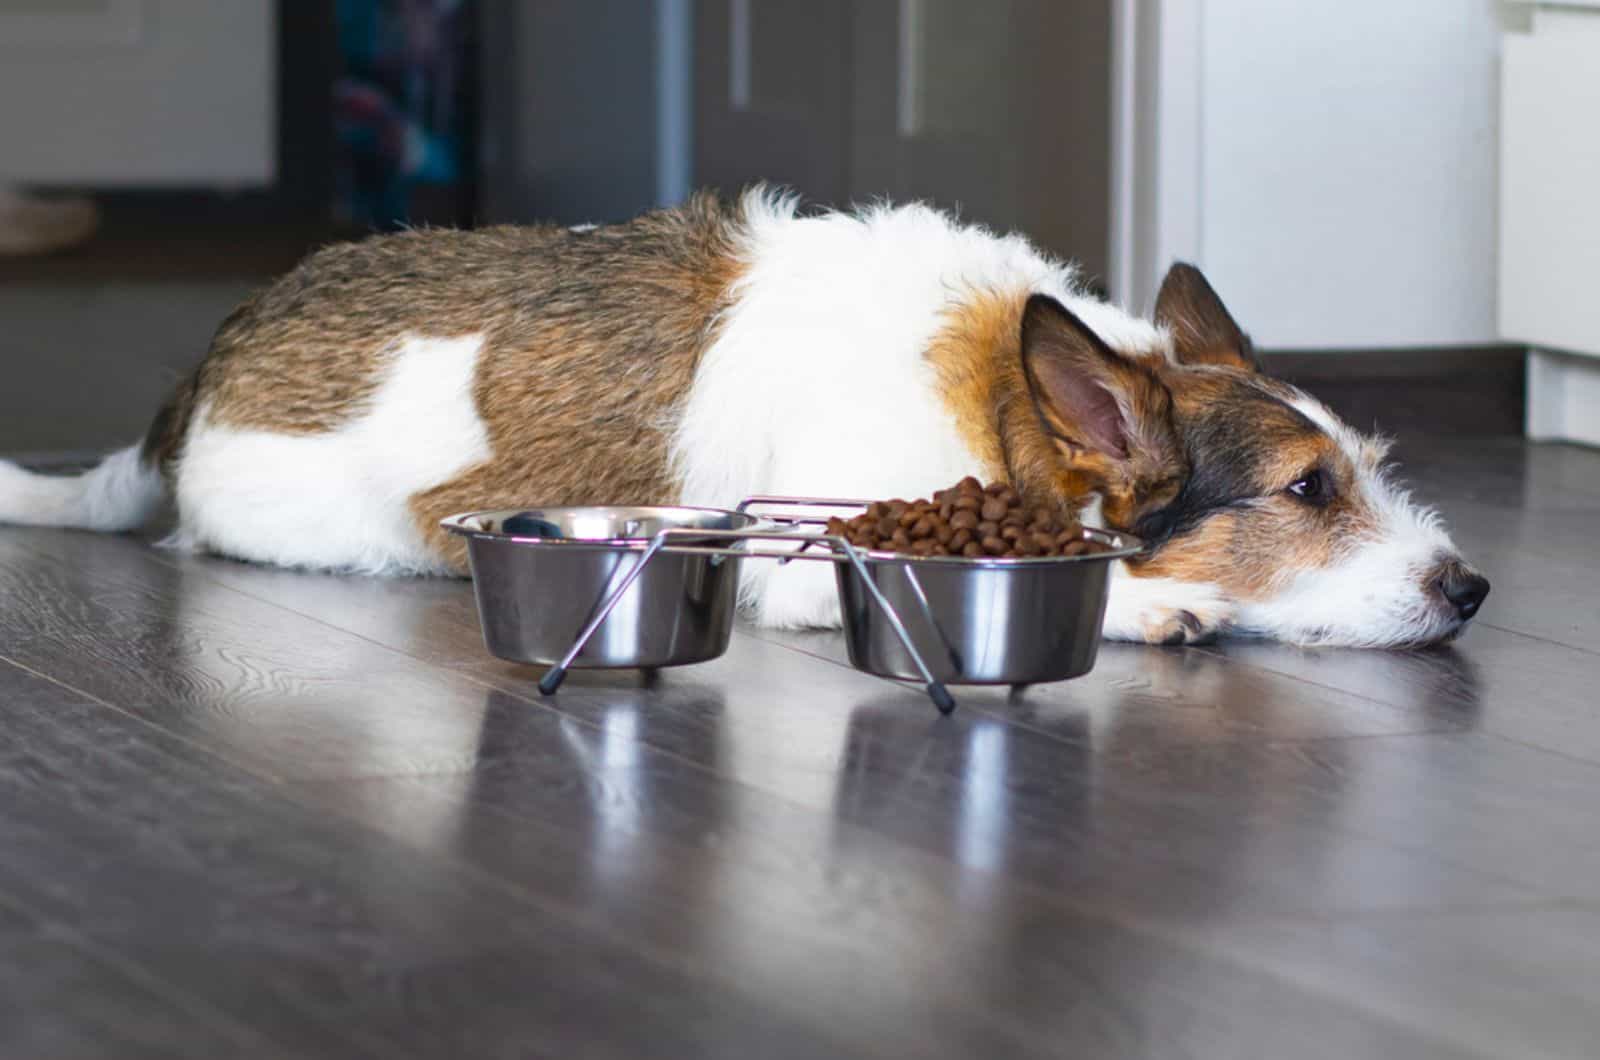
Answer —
558 673
933 686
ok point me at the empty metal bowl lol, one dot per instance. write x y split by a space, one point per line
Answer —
982 621
540 574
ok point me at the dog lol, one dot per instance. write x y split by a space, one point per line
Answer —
726 348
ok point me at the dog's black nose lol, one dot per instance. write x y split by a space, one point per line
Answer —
1464 587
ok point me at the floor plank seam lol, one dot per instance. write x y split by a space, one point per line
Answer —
1565 756
1541 639
1213 653
143 976
146 722
1555 904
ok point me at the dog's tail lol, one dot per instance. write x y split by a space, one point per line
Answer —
120 494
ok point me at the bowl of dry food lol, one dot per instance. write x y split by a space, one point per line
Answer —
989 589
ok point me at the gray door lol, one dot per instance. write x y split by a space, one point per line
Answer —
1000 108
772 95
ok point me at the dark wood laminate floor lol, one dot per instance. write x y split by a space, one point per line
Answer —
246 812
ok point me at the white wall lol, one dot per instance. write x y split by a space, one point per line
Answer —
1345 169
138 93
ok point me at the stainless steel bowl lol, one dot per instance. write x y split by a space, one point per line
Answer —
982 621
540 574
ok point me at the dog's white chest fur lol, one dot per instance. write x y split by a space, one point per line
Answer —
817 383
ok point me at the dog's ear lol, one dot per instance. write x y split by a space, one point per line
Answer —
1110 417
1203 331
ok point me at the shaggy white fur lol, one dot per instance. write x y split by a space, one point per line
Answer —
120 494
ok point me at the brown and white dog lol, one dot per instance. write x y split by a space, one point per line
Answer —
710 352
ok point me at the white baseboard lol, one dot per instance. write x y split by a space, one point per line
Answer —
1563 397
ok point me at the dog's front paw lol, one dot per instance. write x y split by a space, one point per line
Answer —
1181 627
797 596
1165 611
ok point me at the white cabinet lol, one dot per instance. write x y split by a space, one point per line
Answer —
1330 165
1550 215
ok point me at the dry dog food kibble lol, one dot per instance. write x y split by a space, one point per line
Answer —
968 519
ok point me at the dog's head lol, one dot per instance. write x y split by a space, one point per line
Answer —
1242 482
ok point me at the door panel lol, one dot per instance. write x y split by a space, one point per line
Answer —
772 95
1000 109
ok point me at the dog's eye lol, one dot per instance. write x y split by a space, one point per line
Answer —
1312 486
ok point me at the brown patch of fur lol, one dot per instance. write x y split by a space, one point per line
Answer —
1203 331
977 356
607 359
1249 553
1245 554
164 440
590 339
1021 435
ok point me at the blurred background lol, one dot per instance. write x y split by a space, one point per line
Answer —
1395 198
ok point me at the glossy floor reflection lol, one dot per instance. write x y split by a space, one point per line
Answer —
247 812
